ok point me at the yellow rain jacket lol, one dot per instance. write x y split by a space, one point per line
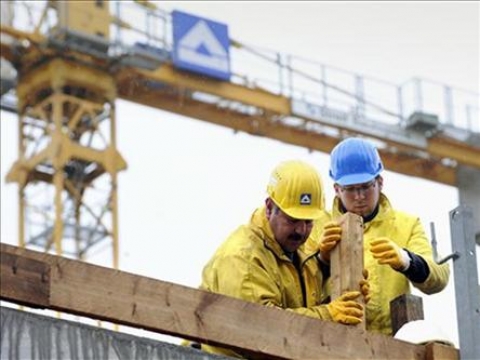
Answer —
251 265
385 283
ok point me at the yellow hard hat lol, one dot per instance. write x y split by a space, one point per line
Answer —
296 188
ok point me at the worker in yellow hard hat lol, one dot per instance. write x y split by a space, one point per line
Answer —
264 261
396 249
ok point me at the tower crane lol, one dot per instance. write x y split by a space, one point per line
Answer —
67 62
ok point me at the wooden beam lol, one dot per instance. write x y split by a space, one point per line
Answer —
34 288
437 351
120 297
346 259
405 308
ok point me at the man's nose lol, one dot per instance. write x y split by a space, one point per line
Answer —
301 227
359 193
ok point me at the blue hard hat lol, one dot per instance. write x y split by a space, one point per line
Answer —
354 161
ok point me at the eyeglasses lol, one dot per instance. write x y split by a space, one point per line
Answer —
359 189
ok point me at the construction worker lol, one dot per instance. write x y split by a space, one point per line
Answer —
264 262
396 249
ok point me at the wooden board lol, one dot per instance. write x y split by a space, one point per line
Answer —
346 259
405 308
34 287
120 297
437 351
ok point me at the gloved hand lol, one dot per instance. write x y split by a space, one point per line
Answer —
345 310
332 233
389 253
365 287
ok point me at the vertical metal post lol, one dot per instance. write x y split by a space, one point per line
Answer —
467 294
448 105
324 82
280 73
118 35
468 113
290 75
419 95
360 96
114 192
58 177
400 103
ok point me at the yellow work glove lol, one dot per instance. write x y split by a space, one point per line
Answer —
331 235
389 253
345 310
365 287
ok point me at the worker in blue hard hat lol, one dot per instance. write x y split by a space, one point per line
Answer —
264 261
397 252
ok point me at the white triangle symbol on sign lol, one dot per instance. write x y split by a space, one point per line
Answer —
200 34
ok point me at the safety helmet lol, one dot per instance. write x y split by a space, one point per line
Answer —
354 161
296 188
422 332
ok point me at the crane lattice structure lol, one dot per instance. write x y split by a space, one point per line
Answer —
72 60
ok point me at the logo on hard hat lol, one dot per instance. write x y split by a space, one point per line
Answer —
306 199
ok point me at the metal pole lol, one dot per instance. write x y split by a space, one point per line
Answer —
419 96
449 115
467 294
400 103
324 84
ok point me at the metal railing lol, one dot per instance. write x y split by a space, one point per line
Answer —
314 82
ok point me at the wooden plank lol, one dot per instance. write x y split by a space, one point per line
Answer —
346 259
24 280
268 333
438 351
405 308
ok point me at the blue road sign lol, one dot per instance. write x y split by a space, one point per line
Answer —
201 45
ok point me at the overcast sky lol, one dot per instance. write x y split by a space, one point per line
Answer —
190 183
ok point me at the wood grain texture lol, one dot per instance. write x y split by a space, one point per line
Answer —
25 281
438 351
113 295
346 259
405 308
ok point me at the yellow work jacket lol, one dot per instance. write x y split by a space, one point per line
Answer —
385 283
251 265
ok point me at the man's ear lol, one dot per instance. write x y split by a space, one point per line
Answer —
268 207
380 182
337 189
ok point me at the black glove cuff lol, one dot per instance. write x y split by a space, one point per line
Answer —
418 270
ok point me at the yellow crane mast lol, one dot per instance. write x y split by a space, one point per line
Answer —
68 161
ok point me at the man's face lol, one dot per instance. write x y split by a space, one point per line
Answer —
360 199
290 233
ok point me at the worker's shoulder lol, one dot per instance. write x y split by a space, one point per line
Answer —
243 240
405 217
